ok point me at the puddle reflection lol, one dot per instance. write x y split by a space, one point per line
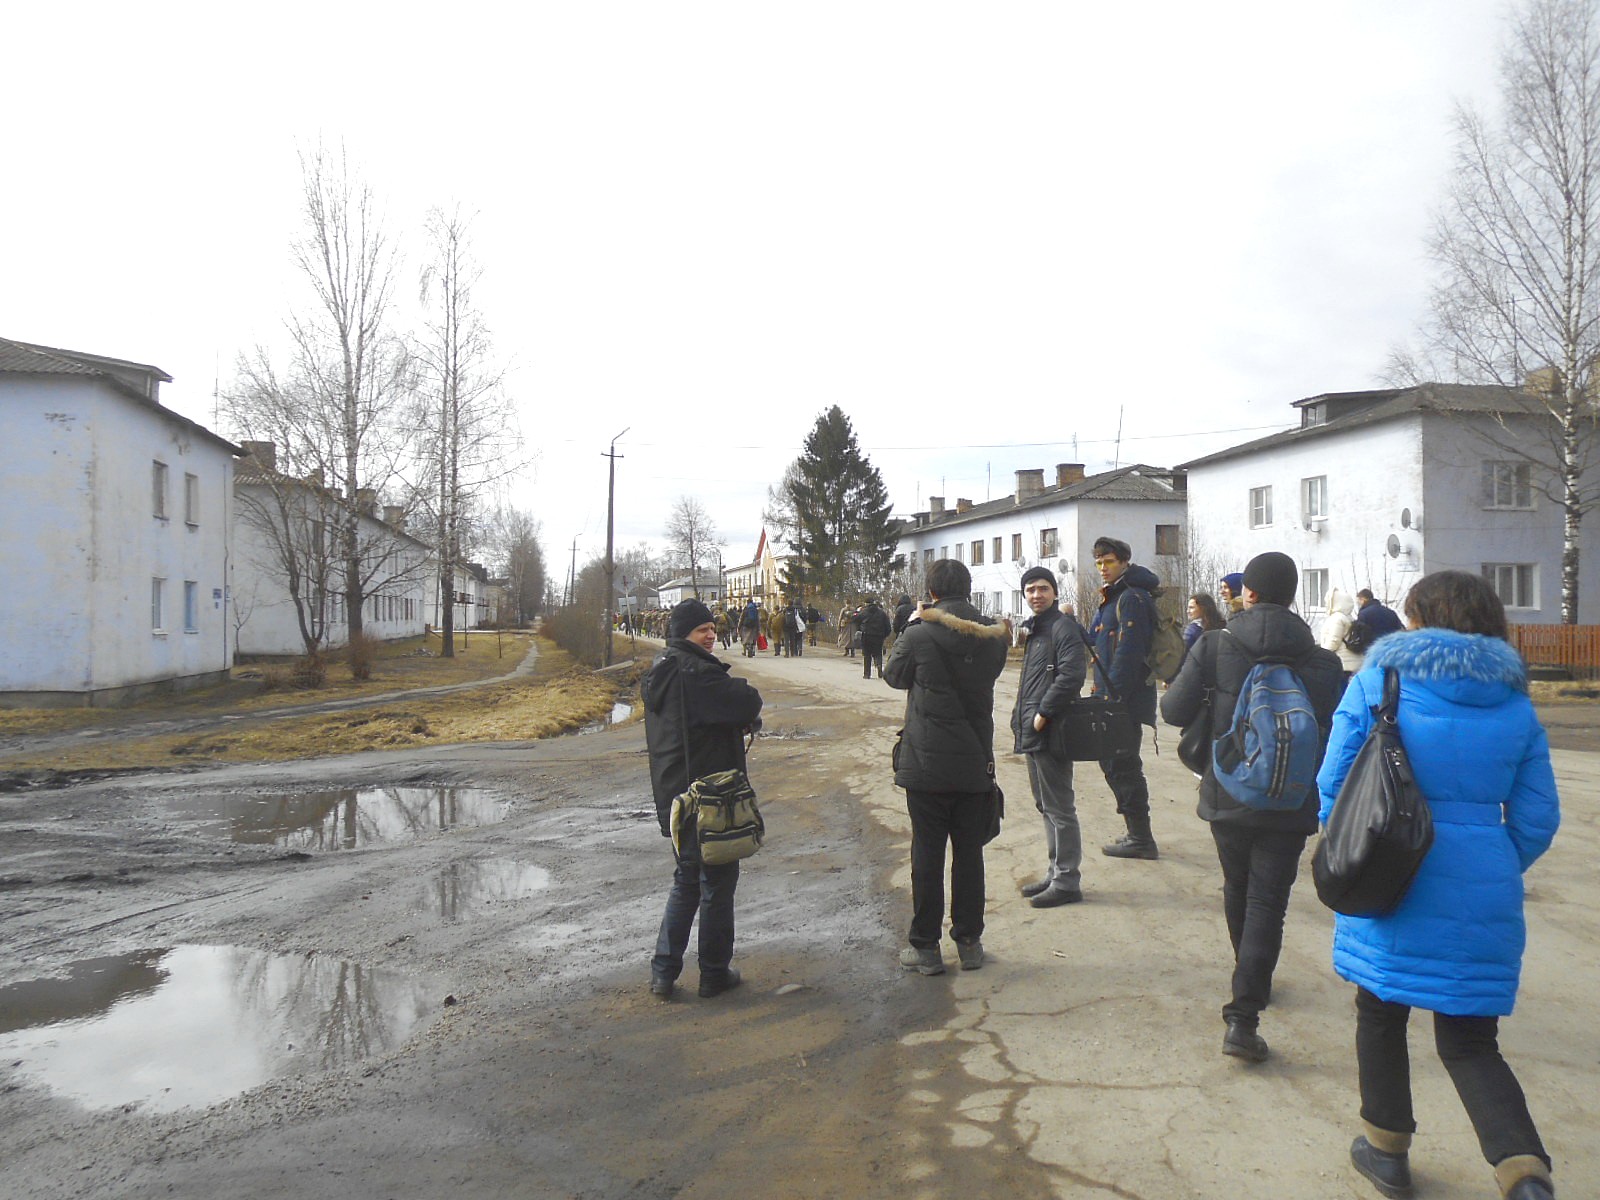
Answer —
342 819
465 886
193 1025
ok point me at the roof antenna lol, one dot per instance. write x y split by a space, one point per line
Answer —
1117 460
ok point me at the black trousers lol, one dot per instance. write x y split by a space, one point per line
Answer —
1258 870
1125 778
871 652
1469 1047
960 820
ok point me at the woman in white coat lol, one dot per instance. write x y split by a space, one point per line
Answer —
1335 625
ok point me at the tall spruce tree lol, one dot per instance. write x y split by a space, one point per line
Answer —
843 536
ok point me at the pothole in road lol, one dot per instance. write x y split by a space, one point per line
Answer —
464 887
340 819
190 1026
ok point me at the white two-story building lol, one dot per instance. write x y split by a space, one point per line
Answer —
1052 525
1376 487
116 533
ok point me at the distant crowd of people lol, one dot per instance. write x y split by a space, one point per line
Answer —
1454 944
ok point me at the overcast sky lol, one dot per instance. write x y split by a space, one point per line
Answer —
989 233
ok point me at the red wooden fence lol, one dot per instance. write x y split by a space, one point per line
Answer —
1576 647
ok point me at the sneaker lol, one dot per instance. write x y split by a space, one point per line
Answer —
923 962
1054 897
1242 1041
715 985
1389 1173
971 954
1030 890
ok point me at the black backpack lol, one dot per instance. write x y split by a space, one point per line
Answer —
1359 637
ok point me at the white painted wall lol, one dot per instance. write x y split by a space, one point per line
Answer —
81 543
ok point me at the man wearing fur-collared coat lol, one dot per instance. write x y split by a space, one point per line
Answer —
947 662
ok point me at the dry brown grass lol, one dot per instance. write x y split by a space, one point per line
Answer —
1580 691
556 698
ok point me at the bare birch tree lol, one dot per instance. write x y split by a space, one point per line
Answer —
1519 241
467 426
692 535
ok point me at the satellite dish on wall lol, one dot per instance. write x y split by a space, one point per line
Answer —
1407 521
1393 546
1062 567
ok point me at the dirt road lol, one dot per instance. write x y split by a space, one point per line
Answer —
439 979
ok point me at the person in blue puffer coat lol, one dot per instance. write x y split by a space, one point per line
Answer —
1454 944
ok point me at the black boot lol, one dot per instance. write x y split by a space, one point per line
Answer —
1138 842
1389 1170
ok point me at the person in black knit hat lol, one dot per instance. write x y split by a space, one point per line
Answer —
695 717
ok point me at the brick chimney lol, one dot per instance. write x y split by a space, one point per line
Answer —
265 454
936 507
1029 484
1068 474
963 504
394 515
367 501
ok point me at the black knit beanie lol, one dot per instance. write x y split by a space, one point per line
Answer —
1272 577
686 617
1043 573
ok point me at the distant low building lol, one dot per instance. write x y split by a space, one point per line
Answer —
675 591
116 535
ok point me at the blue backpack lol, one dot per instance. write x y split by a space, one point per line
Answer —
1268 759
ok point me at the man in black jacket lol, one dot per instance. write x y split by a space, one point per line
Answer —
947 661
1052 678
1259 850
903 612
695 717
874 630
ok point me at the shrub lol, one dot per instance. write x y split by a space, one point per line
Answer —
360 654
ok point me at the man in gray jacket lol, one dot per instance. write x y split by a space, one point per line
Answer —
1052 678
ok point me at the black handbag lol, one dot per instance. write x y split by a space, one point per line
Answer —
1095 728
997 808
1194 743
1380 828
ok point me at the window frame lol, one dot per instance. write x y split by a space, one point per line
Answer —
1314 488
998 549
191 606
1261 507
191 499
1050 542
1490 572
1493 480
1308 576
1016 549
158 605
1172 538
159 508
977 552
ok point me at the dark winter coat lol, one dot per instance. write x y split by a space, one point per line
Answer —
686 684
874 623
1218 664
1121 634
1053 661
1480 756
903 613
947 663
1382 618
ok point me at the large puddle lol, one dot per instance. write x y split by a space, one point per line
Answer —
193 1025
464 887
342 819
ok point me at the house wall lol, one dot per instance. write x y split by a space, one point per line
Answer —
1077 523
83 545
1373 473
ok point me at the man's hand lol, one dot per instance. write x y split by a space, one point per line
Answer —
1039 722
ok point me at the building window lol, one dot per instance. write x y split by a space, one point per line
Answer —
944 552
1016 601
1167 540
191 604
977 553
999 598
1260 507
1047 543
1515 583
996 548
1314 497
158 490
958 551
191 499
1507 485
158 591
1016 548
927 555
1313 588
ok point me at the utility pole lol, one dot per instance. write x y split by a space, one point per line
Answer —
572 572
611 506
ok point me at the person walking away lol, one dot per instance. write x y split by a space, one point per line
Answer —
1334 628
1259 850
1373 612
794 628
750 628
1051 680
903 611
813 619
724 627
1454 943
1121 634
695 717
875 627
946 662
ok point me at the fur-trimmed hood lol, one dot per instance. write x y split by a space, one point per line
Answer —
1340 603
955 623
1469 667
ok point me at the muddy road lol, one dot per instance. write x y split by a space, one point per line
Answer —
423 974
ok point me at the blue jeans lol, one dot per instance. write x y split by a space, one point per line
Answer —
708 891
1258 870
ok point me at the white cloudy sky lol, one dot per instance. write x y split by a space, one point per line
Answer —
980 229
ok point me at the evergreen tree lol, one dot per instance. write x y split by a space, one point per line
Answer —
843 536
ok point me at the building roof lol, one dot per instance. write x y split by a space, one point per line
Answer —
1137 482
136 381
684 581
1341 411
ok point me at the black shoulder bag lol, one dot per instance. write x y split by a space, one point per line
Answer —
1094 728
1380 828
